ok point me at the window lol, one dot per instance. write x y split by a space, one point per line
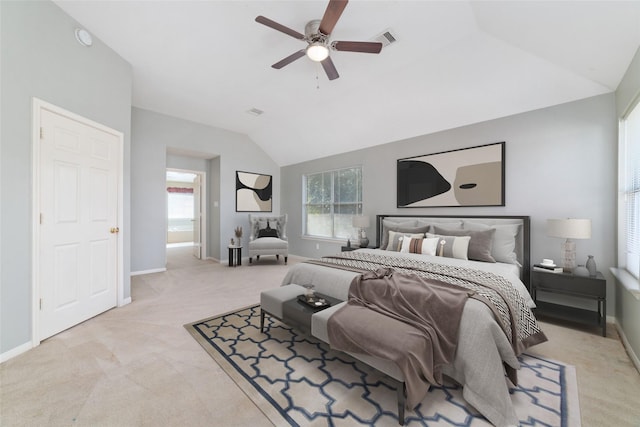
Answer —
180 209
630 184
330 200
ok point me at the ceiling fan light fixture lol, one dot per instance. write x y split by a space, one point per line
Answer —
317 52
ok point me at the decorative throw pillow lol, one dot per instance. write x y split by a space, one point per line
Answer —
503 248
452 246
479 245
395 240
402 229
420 245
388 224
267 231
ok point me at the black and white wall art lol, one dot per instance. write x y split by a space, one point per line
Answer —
253 192
471 176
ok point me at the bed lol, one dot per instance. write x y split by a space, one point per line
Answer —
472 250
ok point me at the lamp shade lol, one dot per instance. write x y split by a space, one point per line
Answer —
361 221
569 228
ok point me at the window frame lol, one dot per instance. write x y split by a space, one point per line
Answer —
626 277
332 204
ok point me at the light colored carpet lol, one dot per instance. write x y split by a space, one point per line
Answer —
137 365
298 380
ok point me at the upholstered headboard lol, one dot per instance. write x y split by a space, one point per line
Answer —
516 226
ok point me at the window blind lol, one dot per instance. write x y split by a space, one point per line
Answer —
632 190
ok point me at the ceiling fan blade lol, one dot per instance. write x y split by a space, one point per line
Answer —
289 59
331 15
330 69
273 24
365 47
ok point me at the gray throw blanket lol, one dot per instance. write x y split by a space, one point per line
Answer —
401 317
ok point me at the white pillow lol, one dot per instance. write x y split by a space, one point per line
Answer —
453 247
425 246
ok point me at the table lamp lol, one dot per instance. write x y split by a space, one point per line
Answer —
569 228
361 222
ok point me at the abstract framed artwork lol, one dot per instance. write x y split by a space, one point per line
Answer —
471 176
254 192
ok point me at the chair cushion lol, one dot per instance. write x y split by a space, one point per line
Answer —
268 243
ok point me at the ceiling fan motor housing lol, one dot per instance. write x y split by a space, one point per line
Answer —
312 33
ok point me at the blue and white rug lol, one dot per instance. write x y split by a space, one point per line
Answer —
298 380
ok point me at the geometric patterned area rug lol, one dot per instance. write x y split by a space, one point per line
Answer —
298 380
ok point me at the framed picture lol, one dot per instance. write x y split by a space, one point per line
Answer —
471 176
253 192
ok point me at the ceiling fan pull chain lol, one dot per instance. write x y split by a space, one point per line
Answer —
317 77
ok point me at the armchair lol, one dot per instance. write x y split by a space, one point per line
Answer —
268 236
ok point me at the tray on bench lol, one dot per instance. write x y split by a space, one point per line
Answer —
314 301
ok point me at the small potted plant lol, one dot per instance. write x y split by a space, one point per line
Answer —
238 232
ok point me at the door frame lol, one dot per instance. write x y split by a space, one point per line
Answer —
39 105
203 210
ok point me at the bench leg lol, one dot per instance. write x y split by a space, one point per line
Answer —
261 320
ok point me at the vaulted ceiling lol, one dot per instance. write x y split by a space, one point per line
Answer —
454 63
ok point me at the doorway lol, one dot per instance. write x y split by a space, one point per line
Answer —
186 212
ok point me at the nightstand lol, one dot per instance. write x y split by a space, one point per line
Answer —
349 248
591 288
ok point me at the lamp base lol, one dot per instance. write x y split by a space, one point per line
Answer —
568 255
364 242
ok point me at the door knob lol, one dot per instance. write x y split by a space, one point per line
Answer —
114 230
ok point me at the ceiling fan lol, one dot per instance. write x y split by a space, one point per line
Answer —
316 34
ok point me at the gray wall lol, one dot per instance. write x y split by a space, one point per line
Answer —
628 307
560 162
152 134
41 58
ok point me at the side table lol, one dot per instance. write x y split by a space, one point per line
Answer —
235 255
353 248
586 287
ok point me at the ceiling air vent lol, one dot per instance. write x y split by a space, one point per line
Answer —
386 38
255 112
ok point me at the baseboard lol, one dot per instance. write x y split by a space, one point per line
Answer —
155 270
15 352
125 302
627 346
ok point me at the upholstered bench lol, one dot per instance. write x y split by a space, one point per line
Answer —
272 302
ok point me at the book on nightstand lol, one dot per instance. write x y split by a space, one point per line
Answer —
547 268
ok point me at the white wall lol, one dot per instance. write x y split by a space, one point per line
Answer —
560 162
152 134
40 58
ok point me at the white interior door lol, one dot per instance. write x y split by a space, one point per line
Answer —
197 217
78 231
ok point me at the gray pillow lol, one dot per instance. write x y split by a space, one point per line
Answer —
479 245
504 241
388 224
